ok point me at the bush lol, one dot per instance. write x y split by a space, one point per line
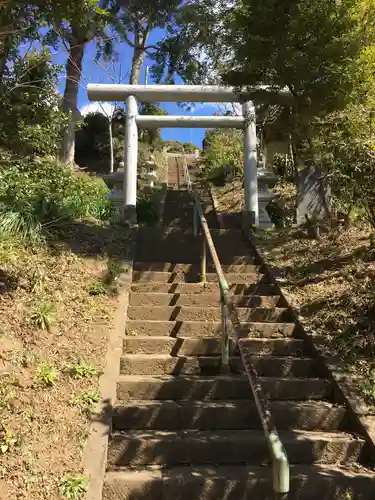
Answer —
223 147
282 210
37 194
146 213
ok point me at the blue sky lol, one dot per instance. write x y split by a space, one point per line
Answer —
96 73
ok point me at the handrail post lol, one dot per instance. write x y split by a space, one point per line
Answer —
204 260
280 468
225 368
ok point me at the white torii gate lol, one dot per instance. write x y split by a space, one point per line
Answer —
185 93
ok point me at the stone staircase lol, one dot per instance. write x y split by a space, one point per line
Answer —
175 172
181 430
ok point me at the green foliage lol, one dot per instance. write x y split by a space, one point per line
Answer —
31 119
96 286
368 386
197 29
73 486
86 400
43 315
82 370
344 144
39 194
172 146
308 46
223 147
93 139
282 210
47 375
146 214
151 136
189 147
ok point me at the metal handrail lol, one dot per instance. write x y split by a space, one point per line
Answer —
280 464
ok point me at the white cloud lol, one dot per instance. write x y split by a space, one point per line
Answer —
105 108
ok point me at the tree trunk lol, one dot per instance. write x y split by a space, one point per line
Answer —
70 100
137 62
111 161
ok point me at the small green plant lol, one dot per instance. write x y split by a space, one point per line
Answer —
86 400
114 269
47 375
73 486
368 386
348 495
6 397
7 440
82 370
96 286
43 315
146 214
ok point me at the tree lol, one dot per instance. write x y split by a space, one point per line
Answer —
221 147
189 147
310 47
74 26
151 136
19 21
196 46
30 107
135 22
100 138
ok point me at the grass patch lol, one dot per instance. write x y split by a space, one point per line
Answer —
330 281
82 370
47 375
97 286
53 337
86 400
43 315
73 487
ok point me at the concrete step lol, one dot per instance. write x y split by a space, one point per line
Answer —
188 346
189 288
163 364
237 483
189 251
177 313
140 448
130 387
208 299
194 268
207 329
232 414
193 277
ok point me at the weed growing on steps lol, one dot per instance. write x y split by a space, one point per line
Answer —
114 270
105 284
82 370
47 375
43 315
73 486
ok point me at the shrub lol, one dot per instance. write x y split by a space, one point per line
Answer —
37 194
146 214
282 210
223 147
